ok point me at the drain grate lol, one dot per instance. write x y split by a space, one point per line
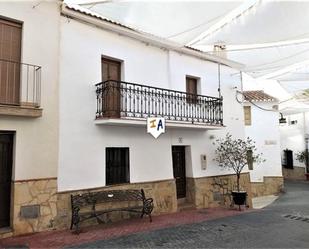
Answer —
296 217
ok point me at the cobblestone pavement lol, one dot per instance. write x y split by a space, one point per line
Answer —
283 224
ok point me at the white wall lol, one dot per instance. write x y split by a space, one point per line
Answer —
293 135
264 130
36 147
82 143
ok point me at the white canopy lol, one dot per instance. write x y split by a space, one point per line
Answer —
271 38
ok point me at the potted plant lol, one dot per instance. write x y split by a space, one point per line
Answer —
303 157
235 154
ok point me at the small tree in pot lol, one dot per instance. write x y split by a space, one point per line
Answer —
235 154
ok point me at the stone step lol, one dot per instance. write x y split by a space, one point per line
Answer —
6 232
186 206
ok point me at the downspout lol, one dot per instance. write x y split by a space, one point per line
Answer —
169 83
241 87
306 143
169 79
242 98
219 79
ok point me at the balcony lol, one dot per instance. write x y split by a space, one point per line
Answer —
120 103
20 89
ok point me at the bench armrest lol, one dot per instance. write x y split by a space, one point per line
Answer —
148 205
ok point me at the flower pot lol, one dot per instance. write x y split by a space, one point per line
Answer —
240 197
307 176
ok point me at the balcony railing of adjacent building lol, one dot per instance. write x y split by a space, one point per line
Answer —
20 84
118 99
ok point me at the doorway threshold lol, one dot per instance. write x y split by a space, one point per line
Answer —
184 205
6 232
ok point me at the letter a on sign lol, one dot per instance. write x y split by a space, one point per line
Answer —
155 126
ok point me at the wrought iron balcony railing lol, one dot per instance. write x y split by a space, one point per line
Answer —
118 99
20 84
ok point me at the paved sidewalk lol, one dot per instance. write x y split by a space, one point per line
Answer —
263 201
59 239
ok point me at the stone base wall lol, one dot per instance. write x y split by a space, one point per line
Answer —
298 173
270 186
40 194
163 193
54 208
37 206
208 192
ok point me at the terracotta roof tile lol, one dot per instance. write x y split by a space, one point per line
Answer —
258 96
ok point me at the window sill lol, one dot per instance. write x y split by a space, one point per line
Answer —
117 184
20 111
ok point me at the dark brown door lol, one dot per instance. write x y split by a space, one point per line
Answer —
10 47
111 99
288 159
6 153
179 168
191 89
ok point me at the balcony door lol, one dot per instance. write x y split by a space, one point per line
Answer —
191 89
111 71
10 54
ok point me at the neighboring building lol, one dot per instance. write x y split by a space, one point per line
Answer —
29 52
61 133
294 136
261 124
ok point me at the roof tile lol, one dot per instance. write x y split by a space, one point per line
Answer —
258 95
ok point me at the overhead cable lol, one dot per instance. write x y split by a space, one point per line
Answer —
247 99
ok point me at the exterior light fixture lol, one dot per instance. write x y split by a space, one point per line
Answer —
282 120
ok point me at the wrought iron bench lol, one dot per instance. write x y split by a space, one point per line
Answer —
93 199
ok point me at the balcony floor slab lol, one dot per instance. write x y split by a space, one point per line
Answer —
136 122
20 111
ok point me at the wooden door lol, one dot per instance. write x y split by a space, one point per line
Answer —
288 159
191 89
111 95
10 50
6 158
179 168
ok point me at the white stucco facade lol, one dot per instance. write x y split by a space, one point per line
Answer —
69 52
82 143
36 139
63 148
